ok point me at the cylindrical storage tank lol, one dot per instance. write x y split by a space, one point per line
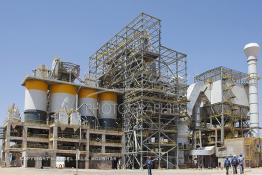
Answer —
87 102
63 97
107 109
35 109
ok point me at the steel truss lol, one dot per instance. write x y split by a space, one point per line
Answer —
154 82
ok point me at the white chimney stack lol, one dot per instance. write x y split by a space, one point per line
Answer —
251 51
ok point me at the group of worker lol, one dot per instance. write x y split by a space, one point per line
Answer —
234 162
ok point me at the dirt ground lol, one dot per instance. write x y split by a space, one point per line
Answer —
33 171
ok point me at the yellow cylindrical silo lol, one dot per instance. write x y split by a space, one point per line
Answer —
87 102
35 109
63 97
107 109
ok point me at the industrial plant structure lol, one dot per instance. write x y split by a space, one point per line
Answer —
61 122
218 104
223 107
133 104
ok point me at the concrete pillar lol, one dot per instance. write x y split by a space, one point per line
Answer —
103 143
24 141
54 147
7 159
7 143
53 160
55 130
24 156
50 134
7 135
87 149
38 162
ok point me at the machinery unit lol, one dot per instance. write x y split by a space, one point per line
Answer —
107 109
88 106
218 106
90 80
35 109
63 98
13 112
42 71
64 71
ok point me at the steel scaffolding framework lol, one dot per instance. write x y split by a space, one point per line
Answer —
154 81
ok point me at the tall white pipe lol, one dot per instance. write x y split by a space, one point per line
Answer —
251 51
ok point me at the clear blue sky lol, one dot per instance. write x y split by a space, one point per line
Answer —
210 32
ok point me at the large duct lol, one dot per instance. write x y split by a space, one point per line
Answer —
251 51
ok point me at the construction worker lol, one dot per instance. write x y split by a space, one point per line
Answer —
227 164
234 163
149 164
241 163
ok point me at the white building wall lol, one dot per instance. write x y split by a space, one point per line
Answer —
241 95
216 92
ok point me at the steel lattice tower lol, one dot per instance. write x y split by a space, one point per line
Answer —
154 81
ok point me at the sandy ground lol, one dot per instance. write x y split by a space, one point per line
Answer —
32 171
